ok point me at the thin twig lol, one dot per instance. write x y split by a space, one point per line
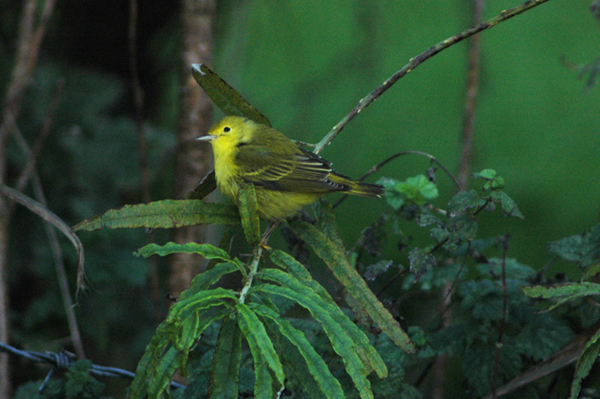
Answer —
376 168
34 154
253 270
61 273
418 60
463 175
503 320
28 47
401 273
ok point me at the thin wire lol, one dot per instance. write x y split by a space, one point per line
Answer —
65 360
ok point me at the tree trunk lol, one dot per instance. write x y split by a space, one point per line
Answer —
192 160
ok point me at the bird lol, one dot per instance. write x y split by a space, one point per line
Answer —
285 176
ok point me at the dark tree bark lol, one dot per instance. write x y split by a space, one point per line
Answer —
195 117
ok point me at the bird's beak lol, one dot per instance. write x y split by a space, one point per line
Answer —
208 137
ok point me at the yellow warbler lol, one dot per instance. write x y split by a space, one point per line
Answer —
285 176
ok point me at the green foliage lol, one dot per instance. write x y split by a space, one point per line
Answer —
258 349
162 214
76 384
415 190
583 249
528 336
224 96
328 355
249 213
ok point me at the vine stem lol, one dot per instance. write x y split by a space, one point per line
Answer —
414 62
503 320
253 270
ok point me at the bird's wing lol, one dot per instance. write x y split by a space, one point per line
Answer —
291 170
259 163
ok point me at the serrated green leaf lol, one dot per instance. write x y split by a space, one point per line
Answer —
353 282
249 213
186 329
259 341
495 184
341 342
200 300
583 248
509 206
205 187
224 378
263 381
207 250
295 365
394 198
586 360
326 221
224 96
298 270
146 364
591 271
487 174
426 219
163 372
426 190
463 201
564 292
315 363
368 355
192 327
418 190
205 279
420 262
568 248
162 214
375 270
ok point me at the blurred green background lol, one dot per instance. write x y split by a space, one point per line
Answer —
304 64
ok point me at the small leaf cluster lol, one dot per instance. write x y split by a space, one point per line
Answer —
527 335
252 316
76 384
584 250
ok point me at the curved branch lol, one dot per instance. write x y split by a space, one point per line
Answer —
418 60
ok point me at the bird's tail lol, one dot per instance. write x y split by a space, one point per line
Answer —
357 187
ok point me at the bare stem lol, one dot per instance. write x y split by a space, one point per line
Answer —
470 99
61 273
418 60
253 270
376 168
503 320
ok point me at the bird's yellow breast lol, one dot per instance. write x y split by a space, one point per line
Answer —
226 170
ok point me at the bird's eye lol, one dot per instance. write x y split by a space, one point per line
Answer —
226 129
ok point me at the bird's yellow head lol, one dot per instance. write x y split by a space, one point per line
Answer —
229 131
